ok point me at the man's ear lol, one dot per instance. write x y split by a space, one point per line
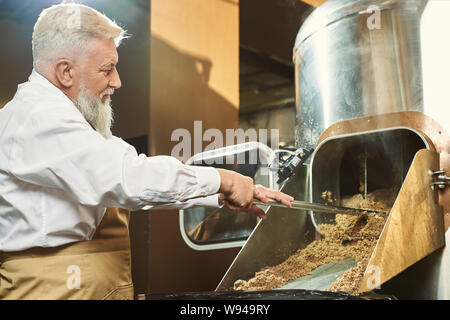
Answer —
64 72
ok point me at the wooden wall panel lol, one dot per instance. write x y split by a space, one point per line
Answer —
194 67
314 3
194 76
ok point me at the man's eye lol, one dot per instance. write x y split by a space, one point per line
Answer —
107 71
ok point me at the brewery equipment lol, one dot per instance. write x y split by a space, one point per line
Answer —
371 103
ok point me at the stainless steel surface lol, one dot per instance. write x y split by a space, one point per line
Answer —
274 239
316 207
346 70
322 277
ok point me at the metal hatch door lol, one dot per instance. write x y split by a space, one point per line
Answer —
205 228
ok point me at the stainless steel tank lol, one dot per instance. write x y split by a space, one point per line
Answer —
372 94
356 58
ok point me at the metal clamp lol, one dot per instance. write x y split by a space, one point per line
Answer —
296 159
440 180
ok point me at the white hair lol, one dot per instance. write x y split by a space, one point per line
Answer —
68 28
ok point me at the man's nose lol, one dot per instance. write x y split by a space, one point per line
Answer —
115 80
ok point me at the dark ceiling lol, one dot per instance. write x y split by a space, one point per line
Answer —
268 29
271 26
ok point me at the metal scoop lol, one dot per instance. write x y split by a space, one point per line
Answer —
303 205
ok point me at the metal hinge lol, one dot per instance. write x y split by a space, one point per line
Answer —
440 180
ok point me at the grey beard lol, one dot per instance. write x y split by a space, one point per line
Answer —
99 115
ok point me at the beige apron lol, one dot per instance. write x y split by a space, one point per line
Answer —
96 269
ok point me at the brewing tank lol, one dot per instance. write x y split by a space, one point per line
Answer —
356 58
372 101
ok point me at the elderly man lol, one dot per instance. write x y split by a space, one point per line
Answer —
61 168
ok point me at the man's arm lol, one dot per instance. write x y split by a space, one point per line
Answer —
55 150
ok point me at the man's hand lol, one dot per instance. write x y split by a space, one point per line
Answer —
239 192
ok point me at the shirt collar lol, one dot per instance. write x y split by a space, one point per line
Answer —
39 79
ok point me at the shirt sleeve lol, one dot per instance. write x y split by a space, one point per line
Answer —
208 201
59 150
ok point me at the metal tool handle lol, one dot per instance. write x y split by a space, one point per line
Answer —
303 205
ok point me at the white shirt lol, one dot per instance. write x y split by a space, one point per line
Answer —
58 175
